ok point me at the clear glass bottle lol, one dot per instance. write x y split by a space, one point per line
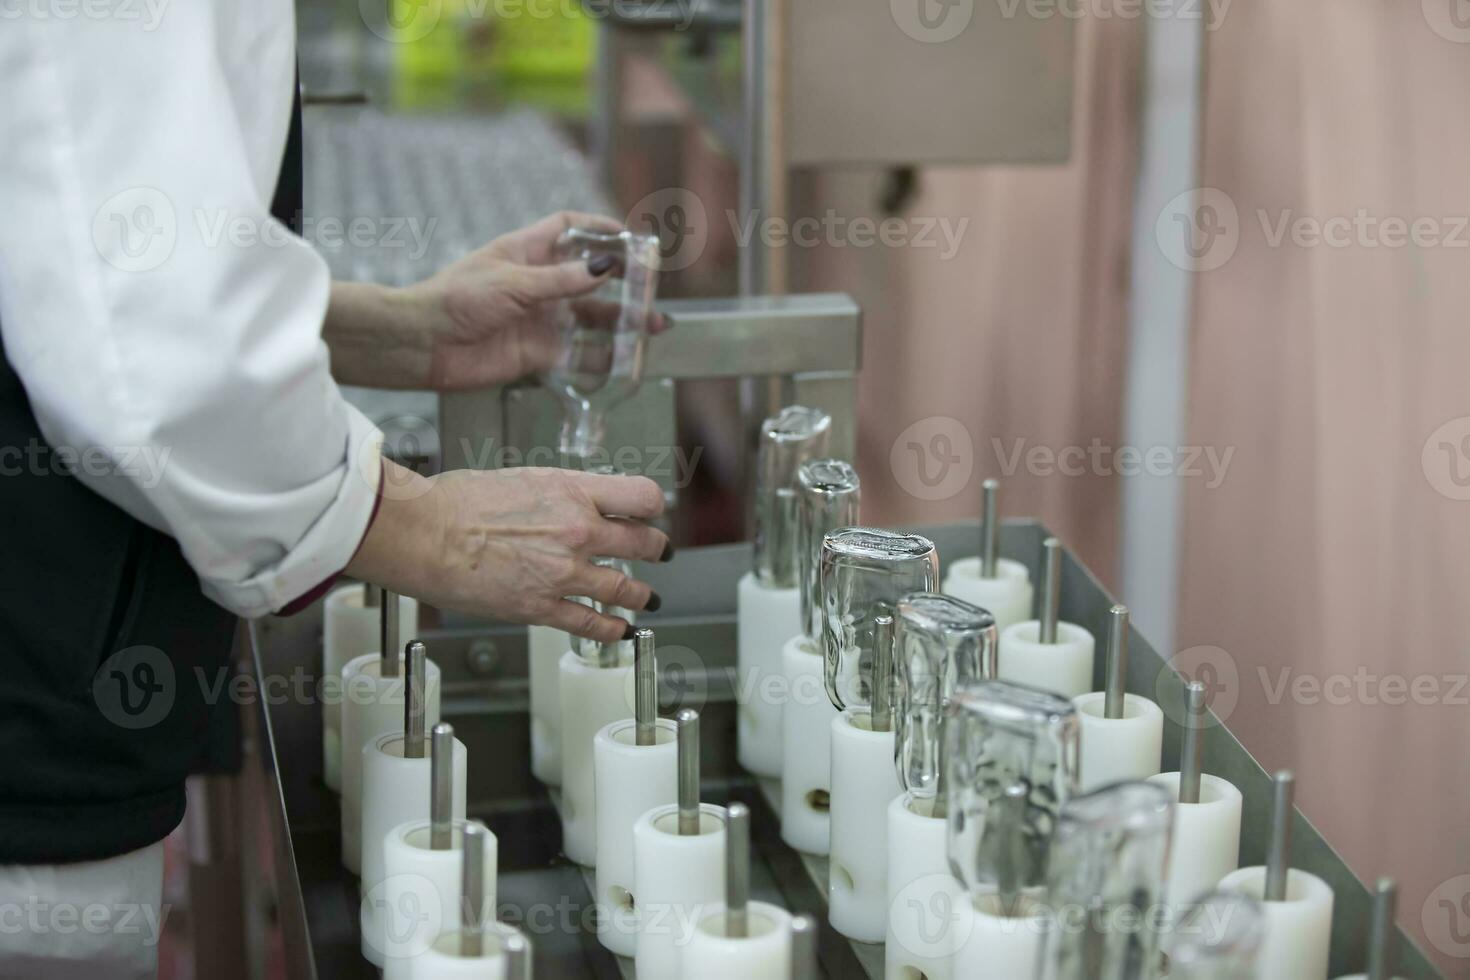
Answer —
1106 882
829 492
788 439
939 643
865 571
601 337
1219 938
1011 755
615 653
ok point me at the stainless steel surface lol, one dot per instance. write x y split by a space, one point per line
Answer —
372 596
1051 589
1117 682
1012 860
1192 755
990 508
688 749
388 648
804 964
737 871
881 710
414 700
441 788
645 687
1381 931
1278 854
517 957
472 890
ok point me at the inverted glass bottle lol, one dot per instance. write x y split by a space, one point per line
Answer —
865 571
790 438
601 337
829 493
1011 757
939 643
1106 883
1219 938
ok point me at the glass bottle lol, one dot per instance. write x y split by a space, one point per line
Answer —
788 439
829 492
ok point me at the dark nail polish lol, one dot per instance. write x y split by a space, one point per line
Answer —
600 265
668 554
654 601
628 633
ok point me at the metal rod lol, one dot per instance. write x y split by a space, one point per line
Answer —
1051 594
441 793
803 948
372 596
517 957
388 633
472 889
1012 857
688 748
1381 950
737 871
990 533
645 689
1278 856
881 708
1117 680
1192 755
415 702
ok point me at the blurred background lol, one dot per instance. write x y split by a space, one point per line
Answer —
1190 277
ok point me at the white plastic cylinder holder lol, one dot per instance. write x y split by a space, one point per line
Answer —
864 782
420 893
806 749
764 953
676 879
442 960
1007 597
394 791
372 705
1064 667
1116 749
1298 939
591 697
765 618
349 630
1206 841
923 894
996 946
545 647
631 779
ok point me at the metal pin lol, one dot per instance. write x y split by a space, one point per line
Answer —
688 748
1192 755
1051 594
517 957
737 871
1012 857
415 700
472 889
990 533
645 687
1117 681
372 596
1381 950
441 793
1278 857
388 633
803 948
881 709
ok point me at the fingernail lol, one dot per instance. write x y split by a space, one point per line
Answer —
600 265
668 554
654 601
628 633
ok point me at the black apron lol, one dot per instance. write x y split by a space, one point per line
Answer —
114 667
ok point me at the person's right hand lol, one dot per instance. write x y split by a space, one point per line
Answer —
515 543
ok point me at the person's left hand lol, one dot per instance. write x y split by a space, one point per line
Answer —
490 313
